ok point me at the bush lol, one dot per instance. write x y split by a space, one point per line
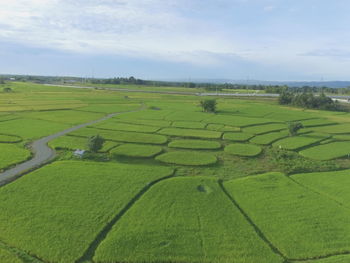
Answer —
294 127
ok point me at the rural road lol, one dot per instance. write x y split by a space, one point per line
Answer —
42 152
344 99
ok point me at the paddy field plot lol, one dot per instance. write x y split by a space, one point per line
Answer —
268 138
316 122
120 136
8 257
327 151
66 203
296 142
195 144
334 184
223 128
136 150
155 123
237 136
333 129
110 108
236 121
188 124
187 158
184 220
300 223
114 125
243 149
261 129
9 138
11 154
194 133
74 143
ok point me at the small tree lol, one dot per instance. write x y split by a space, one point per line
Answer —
7 90
294 127
208 105
95 143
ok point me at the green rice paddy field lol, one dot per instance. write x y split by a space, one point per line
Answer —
172 183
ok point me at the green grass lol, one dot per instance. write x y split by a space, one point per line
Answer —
114 125
328 151
223 128
156 123
195 144
268 138
187 158
296 142
261 129
316 122
74 143
11 154
7 257
236 121
120 136
242 149
333 259
300 223
57 211
334 129
110 108
9 138
137 150
334 184
237 136
184 220
189 124
194 133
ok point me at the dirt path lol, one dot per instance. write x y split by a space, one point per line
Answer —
42 153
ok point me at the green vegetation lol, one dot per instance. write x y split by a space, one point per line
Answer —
195 133
68 201
237 136
189 124
11 154
328 151
136 150
119 136
114 125
295 143
95 143
208 105
297 221
184 220
187 158
195 144
261 129
294 127
9 138
269 138
74 143
7 257
242 149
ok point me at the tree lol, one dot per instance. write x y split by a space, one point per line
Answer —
294 127
208 105
285 98
95 143
7 90
2 81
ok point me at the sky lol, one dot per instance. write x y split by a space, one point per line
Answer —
284 40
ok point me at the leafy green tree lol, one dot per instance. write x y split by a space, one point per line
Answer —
208 105
7 90
95 143
294 127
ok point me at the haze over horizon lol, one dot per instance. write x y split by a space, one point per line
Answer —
275 40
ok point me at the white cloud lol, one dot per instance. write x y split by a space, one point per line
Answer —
128 27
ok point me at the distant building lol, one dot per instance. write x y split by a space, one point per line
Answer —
79 153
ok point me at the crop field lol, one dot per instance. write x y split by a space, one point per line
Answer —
184 220
68 201
295 143
237 136
300 223
328 151
11 154
137 150
195 144
170 182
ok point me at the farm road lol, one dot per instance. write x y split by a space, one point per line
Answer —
43 153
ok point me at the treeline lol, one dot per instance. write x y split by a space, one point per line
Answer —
310 101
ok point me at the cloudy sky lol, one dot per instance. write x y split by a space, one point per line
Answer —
172 39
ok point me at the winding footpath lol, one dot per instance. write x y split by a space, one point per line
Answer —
43 153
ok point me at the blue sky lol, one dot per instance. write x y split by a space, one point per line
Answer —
170 39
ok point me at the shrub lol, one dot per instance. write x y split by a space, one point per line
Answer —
208 105
95 143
